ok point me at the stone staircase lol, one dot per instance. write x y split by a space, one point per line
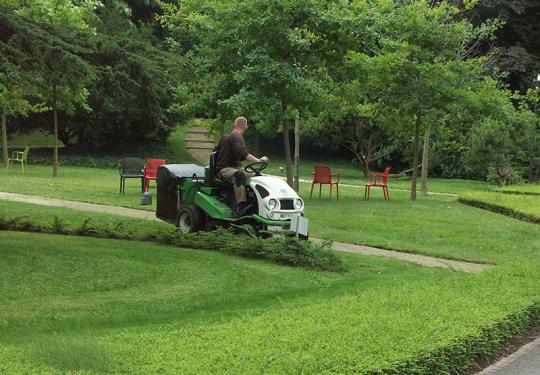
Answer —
199 143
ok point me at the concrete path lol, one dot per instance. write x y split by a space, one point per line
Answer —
526 361
150 215
82 206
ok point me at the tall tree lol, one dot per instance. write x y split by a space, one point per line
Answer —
419 69
56 42
266 63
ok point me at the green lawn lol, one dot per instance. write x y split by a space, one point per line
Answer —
522 189
435 225
84 305
97 185
92 185
353 176
526 204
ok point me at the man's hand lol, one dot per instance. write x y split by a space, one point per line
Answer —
264 159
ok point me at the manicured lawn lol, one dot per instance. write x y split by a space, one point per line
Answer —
526 188
92 185
97 185
353 176
84 305
526 204
436 225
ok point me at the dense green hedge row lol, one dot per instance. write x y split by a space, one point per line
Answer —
462 354
285 250
44 156
507 211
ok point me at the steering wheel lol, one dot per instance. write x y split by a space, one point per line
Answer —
252 167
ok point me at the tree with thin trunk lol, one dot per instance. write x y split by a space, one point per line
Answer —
418 71
52 45
266 66
425 161
297 154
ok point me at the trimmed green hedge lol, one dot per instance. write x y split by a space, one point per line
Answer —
44 156
490 205
285 250
461 355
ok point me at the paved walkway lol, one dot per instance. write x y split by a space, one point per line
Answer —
526 361
149 215
82 206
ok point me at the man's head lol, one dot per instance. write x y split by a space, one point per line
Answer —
240 125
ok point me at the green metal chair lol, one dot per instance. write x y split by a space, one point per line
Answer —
19 156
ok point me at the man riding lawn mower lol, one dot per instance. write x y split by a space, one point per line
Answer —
223 194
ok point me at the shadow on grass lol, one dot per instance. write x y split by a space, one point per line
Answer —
74 354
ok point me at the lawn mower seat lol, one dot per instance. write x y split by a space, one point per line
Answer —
211 177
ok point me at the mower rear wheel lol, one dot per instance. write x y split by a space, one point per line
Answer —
190 219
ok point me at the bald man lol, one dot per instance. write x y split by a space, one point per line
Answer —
232 151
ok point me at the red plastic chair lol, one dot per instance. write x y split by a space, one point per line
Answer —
383 184
323 176
150 171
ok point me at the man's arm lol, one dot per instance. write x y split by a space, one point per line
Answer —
254 159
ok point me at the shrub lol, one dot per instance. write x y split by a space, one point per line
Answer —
284 250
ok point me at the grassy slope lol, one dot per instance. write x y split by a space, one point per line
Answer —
353 176
436 225
87 305
85 184
520 203
526 188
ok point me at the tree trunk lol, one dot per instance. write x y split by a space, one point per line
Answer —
425 161
55 121
365 167
288 157
297 154
5 154
257 142
415 157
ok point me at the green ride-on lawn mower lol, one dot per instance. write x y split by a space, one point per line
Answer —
194 199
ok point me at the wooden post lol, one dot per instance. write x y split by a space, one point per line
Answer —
55 120
296 184
415 157
425 160
5 154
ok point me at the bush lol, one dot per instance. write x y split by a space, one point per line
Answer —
284 250
75 158
503 176
524 207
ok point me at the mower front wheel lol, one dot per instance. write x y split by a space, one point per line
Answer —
190 219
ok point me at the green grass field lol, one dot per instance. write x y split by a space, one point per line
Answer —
519 201
522 189
84 305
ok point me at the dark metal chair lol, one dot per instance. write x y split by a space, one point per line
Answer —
131 168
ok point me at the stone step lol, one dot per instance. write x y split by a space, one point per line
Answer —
198 137
197 129
199 144
201 155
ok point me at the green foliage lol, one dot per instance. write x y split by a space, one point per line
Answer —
497 146
289 251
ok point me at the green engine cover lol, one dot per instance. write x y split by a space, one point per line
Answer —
213 207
